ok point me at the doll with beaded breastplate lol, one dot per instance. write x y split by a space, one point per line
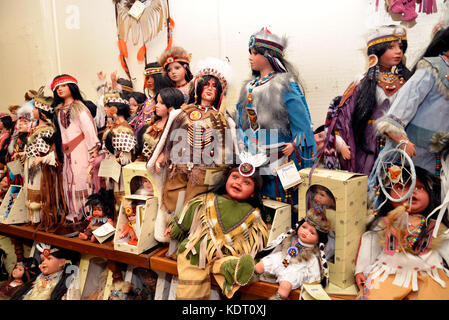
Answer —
352 116
403 252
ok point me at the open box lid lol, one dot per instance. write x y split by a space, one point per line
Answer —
341 175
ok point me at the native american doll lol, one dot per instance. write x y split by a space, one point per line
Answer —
77 145
53 282
200 157
176 63
136 102
402 253
297 256
272 115
220 233
22 272
352 116
6 127
42 180
419 114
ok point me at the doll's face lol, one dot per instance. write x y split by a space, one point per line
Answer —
147 185
161 108
392 56
18 271
239 187
97 212
307 233
319 140
176 72
4 182
257 61
51 264
63 91
24 125
108 109
150 82
13 116
133 106
209 93
321 198
35 113
420 197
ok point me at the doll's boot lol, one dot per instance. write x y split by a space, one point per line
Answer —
410 11
238 271
396 6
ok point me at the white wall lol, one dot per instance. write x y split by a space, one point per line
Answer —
326 41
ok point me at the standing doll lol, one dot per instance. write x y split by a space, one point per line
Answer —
297 256
353 116
6 127
404 252
136 101
419 114
176 63
43 180
53 282
77 145
155 80
129 228
220 233
272 113
199 143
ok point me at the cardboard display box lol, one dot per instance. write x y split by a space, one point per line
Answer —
18 211
348 220
282 217
130 174
145 221
95 278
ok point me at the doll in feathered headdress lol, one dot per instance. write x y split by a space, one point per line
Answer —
53 281
297 256
102 206
220 232
22 272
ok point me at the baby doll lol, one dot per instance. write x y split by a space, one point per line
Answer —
220 232
297 257
102 205
176 63
129 229
53 281
22 272
146 188
404 252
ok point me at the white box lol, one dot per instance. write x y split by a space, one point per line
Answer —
18 213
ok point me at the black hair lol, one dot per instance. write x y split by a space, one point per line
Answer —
122 108
275 54
105 200
7 123
366 101
124 94
172 98
74 89
138 96
30 269
139 137
322 236
319 129
161 80
92 107
202 82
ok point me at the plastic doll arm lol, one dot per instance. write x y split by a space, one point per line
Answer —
360 280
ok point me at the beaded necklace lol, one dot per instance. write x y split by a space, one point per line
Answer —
388 77
445 57
414 237
255 83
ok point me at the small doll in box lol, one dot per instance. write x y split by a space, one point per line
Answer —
22 272
297 257
54 281
220 233
102 204
146 188
129 228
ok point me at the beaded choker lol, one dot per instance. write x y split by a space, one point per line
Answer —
255 83
413 238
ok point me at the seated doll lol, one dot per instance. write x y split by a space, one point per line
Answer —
297 256
22 272
220 232
53 281
129 228
102 205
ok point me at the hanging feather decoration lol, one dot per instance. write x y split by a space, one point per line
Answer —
124 64
141 53
170 28
122 47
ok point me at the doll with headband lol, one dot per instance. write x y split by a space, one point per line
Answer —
136 102
352 116
42 174
404 252
297 256
22 272
53 281
220 232
129 228
176 63
272 115
155 80
77 144
199 143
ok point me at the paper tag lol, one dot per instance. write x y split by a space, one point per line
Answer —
288 175
313 291
16 167
212 176
136 10
109 168
104 232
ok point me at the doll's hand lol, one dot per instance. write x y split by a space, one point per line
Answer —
101 76
37 161
158 164
288 149
167 231
409 148
346 152
360 280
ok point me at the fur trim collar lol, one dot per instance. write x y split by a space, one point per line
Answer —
439 70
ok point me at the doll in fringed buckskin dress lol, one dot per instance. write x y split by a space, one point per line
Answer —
272 114
297 256
405 250
220 232
199 143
